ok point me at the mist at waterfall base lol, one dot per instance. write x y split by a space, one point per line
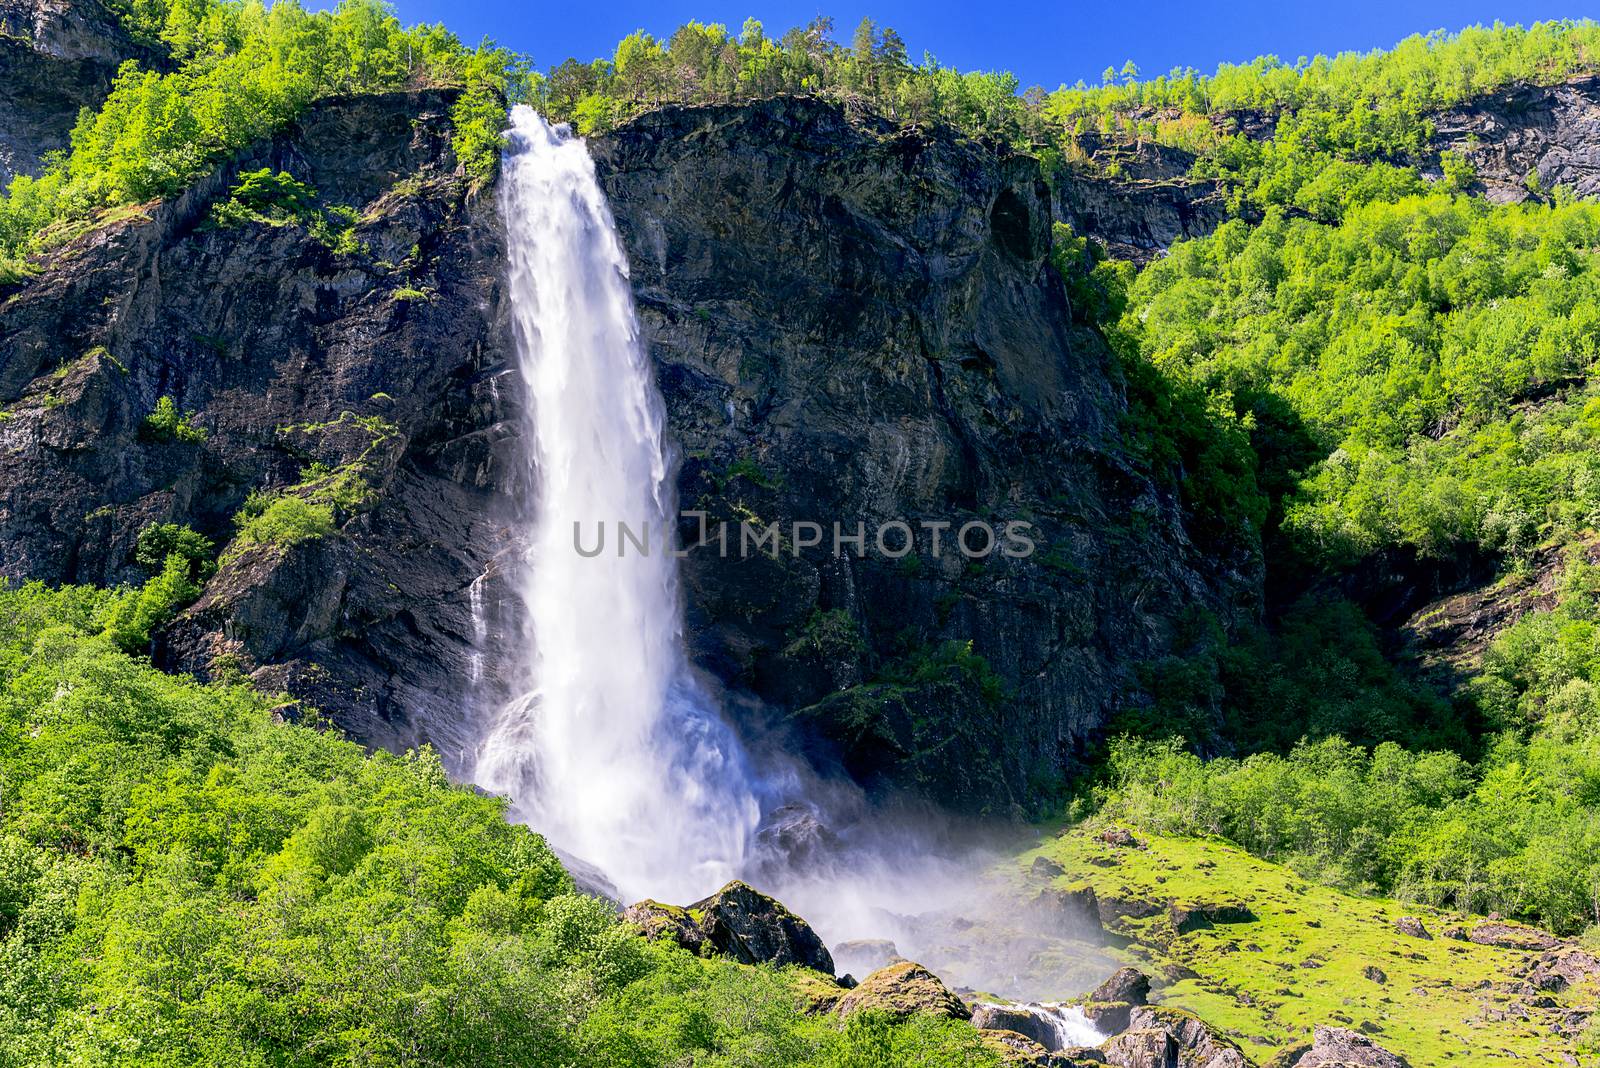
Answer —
614 747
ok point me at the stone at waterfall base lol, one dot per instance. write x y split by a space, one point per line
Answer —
904 989
737 922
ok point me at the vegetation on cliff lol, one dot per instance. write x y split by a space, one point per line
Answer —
240 71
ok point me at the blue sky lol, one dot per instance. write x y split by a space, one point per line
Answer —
1043 42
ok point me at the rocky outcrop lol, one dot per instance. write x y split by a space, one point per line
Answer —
1562 967
1412 927
1135 200
56 56
1014 1018
1110 1005
1512 936
381 364
904 989
1550 134
737 922
1195 1043
1335 1047
851 323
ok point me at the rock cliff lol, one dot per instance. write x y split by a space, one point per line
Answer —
850 322
56 56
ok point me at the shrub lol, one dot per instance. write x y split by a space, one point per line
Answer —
284 521
166 423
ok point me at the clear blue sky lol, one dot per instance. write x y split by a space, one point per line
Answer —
1044 42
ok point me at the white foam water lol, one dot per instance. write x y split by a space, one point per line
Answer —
613 748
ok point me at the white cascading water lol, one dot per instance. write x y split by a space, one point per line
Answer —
614 751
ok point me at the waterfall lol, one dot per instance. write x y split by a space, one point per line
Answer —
612 748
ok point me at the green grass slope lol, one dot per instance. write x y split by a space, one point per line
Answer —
1304 958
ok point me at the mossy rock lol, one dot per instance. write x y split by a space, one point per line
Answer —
902 990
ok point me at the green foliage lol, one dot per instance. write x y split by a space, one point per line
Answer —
166 423
1516 834
184 881
1405 340
266 196
1319 670
244 71
132 616
158 541
284 520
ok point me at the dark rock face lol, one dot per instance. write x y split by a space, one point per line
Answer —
289 355
1143 206
1552 132
1196 1045
56 56
853 323
748 926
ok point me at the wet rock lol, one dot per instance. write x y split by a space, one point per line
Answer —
1020 1050
1412 927
1014 1018
1069 913
792 838
1512 936
1128 985
1109 1005
901 990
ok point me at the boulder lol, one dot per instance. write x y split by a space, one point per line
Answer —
1187 918
1013 1018
1073 912
1147 1048
1197 1044
1045 868
1119 836
1562 967
737 922
1109 1005
1335 1047
1410 925
904 989
1512 936
1375 973
863 955
745 925
656 921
